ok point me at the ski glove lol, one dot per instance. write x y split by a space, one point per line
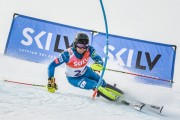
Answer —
52 86
96 67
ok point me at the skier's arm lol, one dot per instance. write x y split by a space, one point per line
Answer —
96 58
64 57
52 86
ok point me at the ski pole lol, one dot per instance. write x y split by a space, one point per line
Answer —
25 83
135 74
99 67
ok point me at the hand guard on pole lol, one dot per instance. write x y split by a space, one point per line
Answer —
96 67
52 86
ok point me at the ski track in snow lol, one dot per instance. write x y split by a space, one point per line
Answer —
19 102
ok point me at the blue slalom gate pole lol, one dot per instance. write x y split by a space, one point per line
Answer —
107 44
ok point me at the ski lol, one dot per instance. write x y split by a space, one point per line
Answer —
142 106
155 108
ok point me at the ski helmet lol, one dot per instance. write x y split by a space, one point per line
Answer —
81 38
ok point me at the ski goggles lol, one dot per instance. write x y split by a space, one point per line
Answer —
84 46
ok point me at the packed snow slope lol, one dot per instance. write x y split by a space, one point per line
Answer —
20 102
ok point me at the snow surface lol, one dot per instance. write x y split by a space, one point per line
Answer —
19 102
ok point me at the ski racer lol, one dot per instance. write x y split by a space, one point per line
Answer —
82 76
77 72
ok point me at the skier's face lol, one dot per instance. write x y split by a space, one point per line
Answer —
81 48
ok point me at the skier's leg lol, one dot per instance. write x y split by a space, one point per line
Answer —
89 81
94 76
106 90
82 82
86 83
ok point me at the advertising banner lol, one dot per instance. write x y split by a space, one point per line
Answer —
42 41
146 60
38 40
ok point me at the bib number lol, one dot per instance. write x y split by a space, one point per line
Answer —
78 73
